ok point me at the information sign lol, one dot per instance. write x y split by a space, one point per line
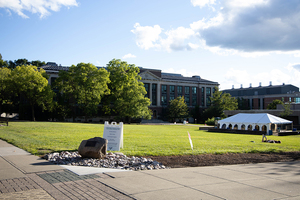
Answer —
114 135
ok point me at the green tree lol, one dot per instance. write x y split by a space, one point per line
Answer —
22 61
286 110
273 105
37 63
127 91
4 83
2 62
84 85
30 83
220 102
177 109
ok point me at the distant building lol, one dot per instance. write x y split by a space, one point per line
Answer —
260 97
162 87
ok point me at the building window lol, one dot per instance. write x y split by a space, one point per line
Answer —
164 89
214 89
202 96
187 100
172 89
194 90
208 94
194 100
172 97
208 91
179 90
154 94
146 85
164 99
186 90
297 99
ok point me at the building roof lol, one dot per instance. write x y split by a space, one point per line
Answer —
52 66
254 118
179 77
263 90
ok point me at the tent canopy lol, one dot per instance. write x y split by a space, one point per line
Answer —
258 118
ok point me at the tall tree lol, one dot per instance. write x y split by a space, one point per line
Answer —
30 82
220 102
4 82
84 85
177 109
127 91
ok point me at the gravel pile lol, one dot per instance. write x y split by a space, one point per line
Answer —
112 160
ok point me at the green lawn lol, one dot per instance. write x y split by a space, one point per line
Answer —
139 140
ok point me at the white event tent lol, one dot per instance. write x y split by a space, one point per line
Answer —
252 121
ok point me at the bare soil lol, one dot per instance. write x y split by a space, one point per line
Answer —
224 159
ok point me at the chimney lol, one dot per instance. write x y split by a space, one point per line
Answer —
259 84
270 83
232 86
250 85
241 85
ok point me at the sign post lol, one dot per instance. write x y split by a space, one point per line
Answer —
114 135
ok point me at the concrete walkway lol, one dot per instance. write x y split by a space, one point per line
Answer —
25 176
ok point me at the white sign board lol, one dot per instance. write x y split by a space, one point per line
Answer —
114 135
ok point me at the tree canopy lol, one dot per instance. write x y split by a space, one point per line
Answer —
2 62
4 83
127 92
220 102
31 83
273 105
84 85
177 109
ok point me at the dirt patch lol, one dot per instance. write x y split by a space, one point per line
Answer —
224 159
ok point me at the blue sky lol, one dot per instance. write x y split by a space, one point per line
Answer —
232 42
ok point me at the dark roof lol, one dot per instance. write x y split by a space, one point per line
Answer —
197 79
263 90
54 68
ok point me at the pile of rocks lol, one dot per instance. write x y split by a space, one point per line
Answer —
112 160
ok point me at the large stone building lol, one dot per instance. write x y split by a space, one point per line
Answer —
163 87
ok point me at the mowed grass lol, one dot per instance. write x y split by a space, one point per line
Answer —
140 140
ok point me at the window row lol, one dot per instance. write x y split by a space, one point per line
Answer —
179 89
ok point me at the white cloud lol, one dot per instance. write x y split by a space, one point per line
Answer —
248 28
129 56
202 3
254 26
175 39
288 75
147 36
41 7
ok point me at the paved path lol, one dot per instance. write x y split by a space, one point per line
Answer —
24 176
